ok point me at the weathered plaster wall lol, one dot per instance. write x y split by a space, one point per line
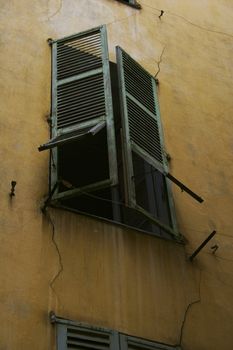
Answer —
107 275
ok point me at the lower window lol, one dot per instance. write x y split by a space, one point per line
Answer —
72 335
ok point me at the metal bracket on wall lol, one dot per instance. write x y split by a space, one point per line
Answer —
184 188
50 41
202 245
132 3
52 317
12 192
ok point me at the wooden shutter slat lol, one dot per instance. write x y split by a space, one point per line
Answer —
133 343
87 337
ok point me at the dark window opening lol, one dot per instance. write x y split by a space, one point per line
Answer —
84 161
97 203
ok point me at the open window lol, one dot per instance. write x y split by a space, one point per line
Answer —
107 154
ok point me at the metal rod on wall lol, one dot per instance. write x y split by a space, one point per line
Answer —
202 245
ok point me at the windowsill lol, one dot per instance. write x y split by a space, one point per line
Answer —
178 240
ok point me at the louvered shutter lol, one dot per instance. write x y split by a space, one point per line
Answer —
132 343
81 95
141 122
81 91
71 336
142 133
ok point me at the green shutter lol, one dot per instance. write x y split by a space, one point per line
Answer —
132 343
83 337
140 115
81 94
142 131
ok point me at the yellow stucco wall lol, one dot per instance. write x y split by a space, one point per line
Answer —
111 276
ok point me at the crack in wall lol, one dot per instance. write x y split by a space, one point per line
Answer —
159 62
199 26
187 311
61 267
188 21
57 11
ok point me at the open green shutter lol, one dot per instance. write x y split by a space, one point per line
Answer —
81 91
141 123
74 336
142 130
132 343
81 95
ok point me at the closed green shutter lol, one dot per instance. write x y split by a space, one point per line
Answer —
81 94
72 336
132 343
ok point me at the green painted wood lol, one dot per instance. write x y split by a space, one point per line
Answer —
70 76
109 110
82 190
130 343
71 334
126 142
166 168
61 336
80 76
143 101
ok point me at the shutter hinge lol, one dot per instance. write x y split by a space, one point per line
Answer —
50 41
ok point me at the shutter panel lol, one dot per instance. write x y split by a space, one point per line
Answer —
81 95
71 336
81 91
131 343
143 143
142 127
143 134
